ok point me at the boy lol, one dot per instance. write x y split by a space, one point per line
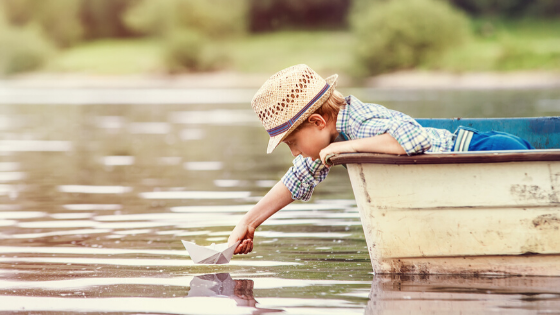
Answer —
298 107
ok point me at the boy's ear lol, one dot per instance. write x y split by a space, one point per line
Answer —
317 120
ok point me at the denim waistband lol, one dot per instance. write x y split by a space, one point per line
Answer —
463 139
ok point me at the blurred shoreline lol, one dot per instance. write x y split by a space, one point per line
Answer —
236 80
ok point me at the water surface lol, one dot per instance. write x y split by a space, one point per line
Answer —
94 200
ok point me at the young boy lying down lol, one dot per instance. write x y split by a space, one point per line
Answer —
301 109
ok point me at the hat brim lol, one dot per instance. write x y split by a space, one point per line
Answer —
275 141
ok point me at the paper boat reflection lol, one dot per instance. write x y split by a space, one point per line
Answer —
222 285
216 284
213 254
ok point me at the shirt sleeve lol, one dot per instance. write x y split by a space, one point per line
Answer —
303 176
409 134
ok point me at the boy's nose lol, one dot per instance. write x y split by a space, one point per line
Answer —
294 152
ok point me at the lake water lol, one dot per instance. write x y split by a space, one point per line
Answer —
95 200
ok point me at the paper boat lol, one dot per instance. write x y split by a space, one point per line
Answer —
213 254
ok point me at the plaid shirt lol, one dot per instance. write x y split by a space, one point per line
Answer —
362 120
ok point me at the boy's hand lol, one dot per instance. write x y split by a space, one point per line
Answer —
384 143
336 147
244 233
277 198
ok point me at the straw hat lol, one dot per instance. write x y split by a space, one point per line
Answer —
287 98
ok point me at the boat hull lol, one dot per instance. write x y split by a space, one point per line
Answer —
460 218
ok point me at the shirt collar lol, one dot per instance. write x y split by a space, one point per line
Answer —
342 118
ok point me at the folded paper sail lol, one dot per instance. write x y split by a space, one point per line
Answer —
213 254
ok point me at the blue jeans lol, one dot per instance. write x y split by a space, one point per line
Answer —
496 141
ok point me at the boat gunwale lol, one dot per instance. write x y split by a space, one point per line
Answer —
447 158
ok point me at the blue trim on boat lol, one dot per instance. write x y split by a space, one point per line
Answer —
541 132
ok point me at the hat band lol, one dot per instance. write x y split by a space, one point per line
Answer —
285 126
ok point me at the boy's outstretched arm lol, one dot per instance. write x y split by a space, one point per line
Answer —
277 198
384 143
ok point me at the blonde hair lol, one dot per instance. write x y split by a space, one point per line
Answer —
330 108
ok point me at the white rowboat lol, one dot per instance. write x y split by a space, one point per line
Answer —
461 213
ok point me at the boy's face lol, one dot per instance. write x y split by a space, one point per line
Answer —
310 139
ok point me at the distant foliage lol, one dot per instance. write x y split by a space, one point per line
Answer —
67 22
184 50
401 34
272 15
103 18
518 56
152 18
22 50
213 18
58 19
188 50
510 8
189 28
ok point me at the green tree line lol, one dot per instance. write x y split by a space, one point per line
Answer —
191 30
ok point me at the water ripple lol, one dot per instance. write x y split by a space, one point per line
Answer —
117 160
137 262
89 189
247 207
57 224
59 233
91 207
11 176
22 215
34 146
195 195
202 305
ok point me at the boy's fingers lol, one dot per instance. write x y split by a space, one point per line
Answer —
240 248
237 249
247 244
323 159
243 247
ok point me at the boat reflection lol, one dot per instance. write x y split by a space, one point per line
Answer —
477 294
221 285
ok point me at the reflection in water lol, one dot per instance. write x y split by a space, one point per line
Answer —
216 117
134 262
21 215
222 285
9 166
88 189
109 122
455 293
191 134
90 207
150 127
34 146
195 194
11 176
59 233
117 160
203 166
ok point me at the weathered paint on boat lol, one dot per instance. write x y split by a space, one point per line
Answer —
465 213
